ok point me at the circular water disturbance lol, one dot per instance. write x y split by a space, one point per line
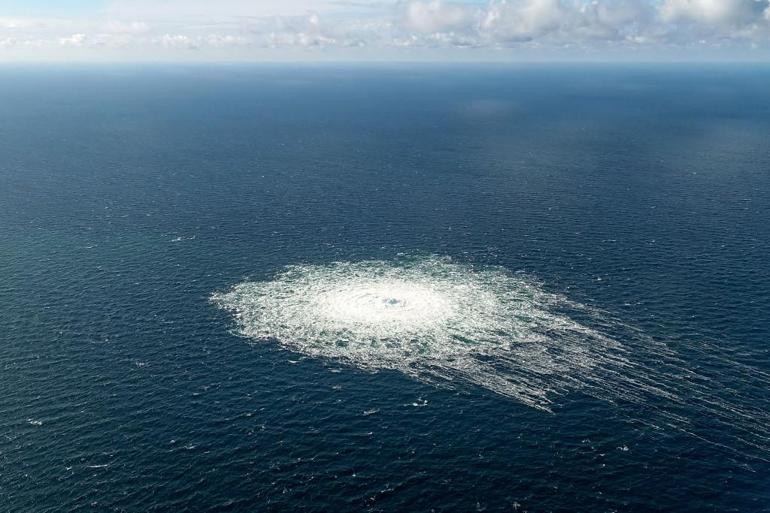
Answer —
429 318
449 323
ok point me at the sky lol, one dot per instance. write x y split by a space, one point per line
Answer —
373 30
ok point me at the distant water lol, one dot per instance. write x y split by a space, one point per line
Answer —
390 288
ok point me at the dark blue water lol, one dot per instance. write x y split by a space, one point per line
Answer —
128 196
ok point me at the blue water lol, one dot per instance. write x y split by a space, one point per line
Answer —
129 195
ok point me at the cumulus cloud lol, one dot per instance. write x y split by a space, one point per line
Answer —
437 16
246 28
524 20
714 12
73 40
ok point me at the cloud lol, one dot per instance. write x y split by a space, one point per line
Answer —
247 29
437 16
123 27
18 23
714 12
76 40
524 20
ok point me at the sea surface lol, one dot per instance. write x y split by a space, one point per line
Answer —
166 233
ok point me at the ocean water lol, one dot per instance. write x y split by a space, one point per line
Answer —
385 288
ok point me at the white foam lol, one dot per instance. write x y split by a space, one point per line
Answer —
448 323
429 318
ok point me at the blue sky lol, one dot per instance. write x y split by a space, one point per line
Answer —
474 30
49 7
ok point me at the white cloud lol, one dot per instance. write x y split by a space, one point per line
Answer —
177 41
622 12
564 22
126 27
524 20
247 29
76 40
437 16
18 23
225 41
714 12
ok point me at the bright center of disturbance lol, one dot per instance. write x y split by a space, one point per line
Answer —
385 302
431 319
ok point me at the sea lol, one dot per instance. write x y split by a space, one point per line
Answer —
385 288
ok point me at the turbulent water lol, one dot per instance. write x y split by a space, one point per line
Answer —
428 318
444 322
